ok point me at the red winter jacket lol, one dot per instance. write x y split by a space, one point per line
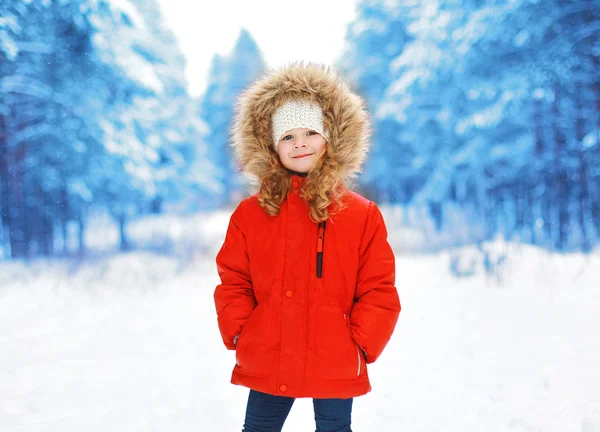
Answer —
312 304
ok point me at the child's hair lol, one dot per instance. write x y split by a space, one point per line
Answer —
322 188
344 118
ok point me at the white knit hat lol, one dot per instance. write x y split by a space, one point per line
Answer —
297 114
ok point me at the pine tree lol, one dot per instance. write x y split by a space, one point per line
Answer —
492 107
94 114
373 41
229 76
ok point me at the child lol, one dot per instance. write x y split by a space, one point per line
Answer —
307 296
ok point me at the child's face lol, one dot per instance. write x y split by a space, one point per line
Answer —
298 142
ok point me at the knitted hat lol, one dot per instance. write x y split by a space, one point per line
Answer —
297 114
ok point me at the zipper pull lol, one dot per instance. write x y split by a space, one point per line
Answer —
320 243
320 240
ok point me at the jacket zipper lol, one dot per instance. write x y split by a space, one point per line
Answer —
356 346
320 246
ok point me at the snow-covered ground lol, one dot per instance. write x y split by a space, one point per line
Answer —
129 342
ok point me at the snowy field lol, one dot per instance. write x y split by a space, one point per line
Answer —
129 342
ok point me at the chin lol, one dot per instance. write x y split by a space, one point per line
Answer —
301 169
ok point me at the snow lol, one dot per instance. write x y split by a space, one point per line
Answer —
8 45
118 44
129 342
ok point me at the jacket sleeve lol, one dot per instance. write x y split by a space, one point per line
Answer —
234 296
377 305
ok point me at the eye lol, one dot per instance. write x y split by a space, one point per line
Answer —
285 138
312 132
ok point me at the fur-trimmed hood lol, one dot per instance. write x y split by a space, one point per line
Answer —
344 117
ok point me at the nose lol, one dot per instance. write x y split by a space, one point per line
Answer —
299 143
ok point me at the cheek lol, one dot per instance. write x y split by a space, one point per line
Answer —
322 147
318 143
281 151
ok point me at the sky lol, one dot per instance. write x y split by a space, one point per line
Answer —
285 31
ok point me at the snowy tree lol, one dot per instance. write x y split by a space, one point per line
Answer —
492 107
536 167
47 121
373 41
155 133
229 75
93 113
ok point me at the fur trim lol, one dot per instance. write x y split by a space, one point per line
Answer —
344 117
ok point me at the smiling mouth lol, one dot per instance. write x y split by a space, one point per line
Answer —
302 156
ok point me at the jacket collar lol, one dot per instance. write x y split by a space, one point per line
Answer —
298 180
296 173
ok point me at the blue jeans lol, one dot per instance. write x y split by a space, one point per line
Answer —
267 413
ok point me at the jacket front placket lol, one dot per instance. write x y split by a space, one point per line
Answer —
295 289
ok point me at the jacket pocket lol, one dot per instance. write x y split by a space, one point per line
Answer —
336 355
360 353
253 352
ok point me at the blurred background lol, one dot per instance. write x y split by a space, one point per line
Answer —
117 182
